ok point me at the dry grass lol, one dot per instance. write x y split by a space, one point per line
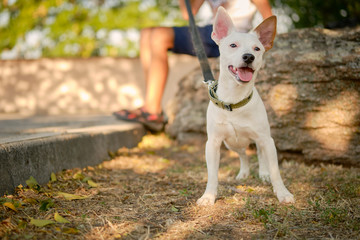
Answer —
149 192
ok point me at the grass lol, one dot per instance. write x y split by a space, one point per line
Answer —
149 192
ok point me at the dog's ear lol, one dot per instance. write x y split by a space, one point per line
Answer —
223 25
266 32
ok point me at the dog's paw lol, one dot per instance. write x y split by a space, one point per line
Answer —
206 200
286 197
265 177
242 175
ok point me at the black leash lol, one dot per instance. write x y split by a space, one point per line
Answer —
198 46
205 67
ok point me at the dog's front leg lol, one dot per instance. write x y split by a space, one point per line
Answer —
212 155
268 150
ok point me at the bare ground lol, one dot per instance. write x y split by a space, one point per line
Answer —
149 192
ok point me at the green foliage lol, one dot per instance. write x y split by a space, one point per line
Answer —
71 27
264 215
81 28
329 14
46 204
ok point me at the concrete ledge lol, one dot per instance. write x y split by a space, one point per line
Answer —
75 147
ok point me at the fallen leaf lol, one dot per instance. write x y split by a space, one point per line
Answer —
191 149
69 196
249 189
164 160
58 218
111 154
174 209
85 179
31 200
70 231
92 183
53 177
151 152
78 176
22 224
244 188
10 205
46 204
41 222
19 188
90 168
32 183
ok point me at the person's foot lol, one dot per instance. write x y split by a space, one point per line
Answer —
152 122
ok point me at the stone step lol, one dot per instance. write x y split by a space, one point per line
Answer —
37 146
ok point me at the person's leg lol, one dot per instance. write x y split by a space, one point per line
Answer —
154 44
155 65
145 50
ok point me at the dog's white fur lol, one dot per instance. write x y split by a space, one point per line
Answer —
249 123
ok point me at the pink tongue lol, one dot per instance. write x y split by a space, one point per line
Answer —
245 74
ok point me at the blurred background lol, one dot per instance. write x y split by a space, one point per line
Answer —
31 29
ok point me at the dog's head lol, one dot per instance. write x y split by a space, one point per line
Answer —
241 53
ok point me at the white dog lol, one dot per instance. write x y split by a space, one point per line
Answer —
236 114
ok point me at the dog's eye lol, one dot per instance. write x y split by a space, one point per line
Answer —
256 48
233 45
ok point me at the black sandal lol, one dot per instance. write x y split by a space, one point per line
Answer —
129 115
152 122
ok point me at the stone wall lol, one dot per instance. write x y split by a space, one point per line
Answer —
80 86
310 84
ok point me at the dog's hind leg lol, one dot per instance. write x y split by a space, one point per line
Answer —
264 174
244 160
267 147
244 164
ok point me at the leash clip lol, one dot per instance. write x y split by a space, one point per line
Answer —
208 82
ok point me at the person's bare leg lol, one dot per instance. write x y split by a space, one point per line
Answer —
161 39
145 50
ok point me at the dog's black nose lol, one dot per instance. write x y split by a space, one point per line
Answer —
248 58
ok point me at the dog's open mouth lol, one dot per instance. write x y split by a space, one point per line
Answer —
243 74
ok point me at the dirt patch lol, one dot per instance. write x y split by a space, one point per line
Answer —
149 192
